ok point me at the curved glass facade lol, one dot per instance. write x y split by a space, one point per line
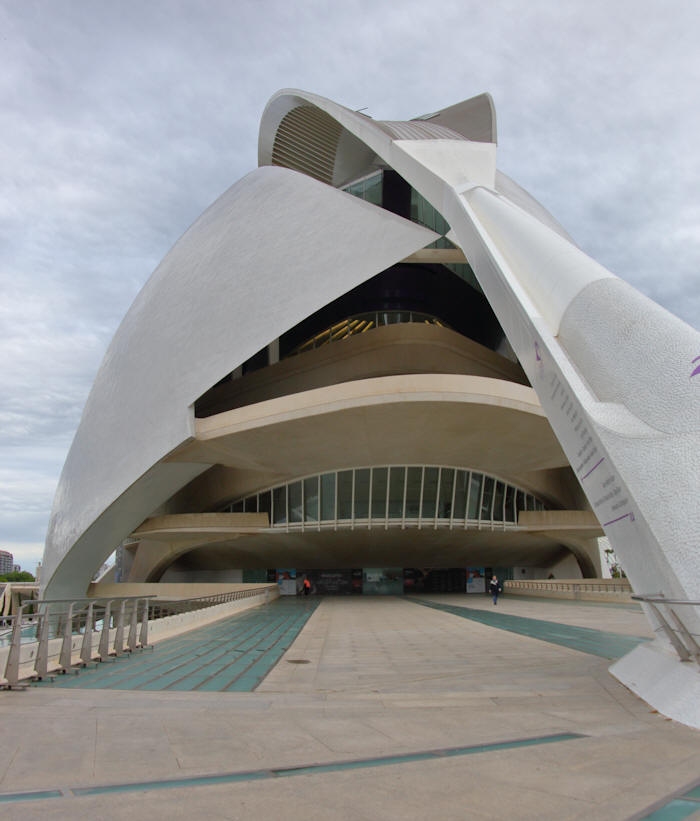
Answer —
396 495
421 211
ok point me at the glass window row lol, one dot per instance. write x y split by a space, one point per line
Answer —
423 493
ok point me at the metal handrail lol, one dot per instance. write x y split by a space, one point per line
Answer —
74 622
659 597
72 618
594 585
683 641
162 608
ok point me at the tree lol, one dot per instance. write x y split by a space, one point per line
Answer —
17 576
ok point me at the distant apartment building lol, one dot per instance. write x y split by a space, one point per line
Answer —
7 562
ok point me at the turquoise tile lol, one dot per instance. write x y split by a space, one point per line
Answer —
673 811
584 639
233 654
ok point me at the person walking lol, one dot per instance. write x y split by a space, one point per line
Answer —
307 586
494 588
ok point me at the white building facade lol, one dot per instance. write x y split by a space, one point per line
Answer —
377 355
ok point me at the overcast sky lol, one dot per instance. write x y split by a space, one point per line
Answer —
121 120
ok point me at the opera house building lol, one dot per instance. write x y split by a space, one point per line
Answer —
378 362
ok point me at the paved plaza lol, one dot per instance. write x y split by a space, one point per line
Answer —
380 708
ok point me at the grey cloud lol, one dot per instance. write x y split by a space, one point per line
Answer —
120 122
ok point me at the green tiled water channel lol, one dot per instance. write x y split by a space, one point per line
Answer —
283 772
597 642
232 655
677 808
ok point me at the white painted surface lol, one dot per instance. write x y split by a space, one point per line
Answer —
662 680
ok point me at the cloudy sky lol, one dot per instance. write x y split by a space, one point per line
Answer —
121 120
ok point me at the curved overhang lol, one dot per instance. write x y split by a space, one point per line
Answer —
484 423
363 546
201 527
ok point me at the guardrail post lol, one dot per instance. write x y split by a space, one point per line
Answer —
668 630
133 625
103 649
119 637
690 643
66 657
42 637
12 666
86 648
143 636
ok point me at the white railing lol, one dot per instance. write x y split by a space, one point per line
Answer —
676 630
48 637
571 588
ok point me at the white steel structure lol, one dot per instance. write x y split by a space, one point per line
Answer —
178 427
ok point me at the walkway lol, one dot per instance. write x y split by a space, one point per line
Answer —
400 711
601 643
233 655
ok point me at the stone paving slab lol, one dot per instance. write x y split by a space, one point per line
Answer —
384 678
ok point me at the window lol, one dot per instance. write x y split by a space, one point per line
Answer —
295 507
362 493
379 492
279 505
344 494
265 503
487 498
475 495
444 510
461 485
430 483
311 499
498 499
328 496
397 479
414 478
438 494
510 515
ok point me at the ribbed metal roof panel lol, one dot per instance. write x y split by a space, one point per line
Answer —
415 130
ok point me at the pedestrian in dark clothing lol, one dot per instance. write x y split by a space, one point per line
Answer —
494 588
307 587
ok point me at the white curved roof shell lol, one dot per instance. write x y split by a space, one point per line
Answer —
270 251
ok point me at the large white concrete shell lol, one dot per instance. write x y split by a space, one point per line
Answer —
206 309
614 373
